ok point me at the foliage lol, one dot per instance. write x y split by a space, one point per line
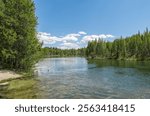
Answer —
135 47
56 52
18 43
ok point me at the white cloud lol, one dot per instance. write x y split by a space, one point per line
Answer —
110 36
82 33
70 37
66 45
93 37
45 38
73 40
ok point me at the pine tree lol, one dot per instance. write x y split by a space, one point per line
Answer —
135 47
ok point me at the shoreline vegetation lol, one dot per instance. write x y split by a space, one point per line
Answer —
19 47
135 47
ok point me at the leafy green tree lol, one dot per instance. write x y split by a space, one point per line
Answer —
19 44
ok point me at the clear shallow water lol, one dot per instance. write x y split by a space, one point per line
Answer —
79 78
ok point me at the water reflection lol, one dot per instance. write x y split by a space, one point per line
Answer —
79 78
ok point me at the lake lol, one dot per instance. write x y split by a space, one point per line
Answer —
103 79
78 78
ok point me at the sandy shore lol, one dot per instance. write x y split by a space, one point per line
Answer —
5 75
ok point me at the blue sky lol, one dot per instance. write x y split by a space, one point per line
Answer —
71 23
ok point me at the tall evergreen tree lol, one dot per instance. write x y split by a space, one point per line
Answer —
134 47
19 45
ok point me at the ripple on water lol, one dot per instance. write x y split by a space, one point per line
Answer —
75 78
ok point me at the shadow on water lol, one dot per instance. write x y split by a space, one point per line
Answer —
140 65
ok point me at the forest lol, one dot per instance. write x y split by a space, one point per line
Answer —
19 46
56 52
136 47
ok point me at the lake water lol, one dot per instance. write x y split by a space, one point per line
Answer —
79 78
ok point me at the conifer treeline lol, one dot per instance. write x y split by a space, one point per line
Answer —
18 43
56 52
135 47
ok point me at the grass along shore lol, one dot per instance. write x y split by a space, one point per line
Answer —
15 85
